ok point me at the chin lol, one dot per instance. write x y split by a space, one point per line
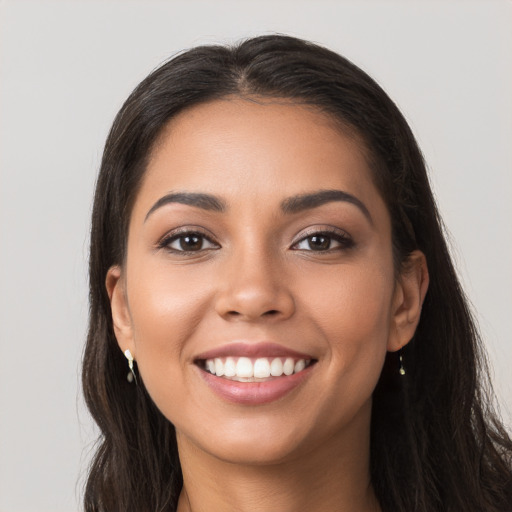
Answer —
261 440
255 451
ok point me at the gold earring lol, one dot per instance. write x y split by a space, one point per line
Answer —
131 374
402 369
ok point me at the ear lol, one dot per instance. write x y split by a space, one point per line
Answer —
121 318
410 291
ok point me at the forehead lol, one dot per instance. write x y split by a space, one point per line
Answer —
242 149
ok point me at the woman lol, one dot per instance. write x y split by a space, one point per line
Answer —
268 266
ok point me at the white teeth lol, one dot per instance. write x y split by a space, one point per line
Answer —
261 368
230 367
276 367
299 366
288 366
245 369
219 367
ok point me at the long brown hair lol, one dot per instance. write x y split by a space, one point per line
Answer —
435 443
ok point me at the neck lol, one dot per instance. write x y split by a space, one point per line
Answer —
334 477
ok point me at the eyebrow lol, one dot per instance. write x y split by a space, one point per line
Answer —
291 205
204 201
303 202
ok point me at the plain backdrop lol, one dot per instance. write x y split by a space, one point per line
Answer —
65 69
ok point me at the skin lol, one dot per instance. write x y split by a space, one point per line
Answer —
256 279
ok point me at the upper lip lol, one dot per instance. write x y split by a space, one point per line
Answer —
252 350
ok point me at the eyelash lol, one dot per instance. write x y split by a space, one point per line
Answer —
177 236
341 237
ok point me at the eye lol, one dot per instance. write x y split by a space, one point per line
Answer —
187 242
322 241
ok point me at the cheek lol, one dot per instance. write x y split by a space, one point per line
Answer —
165 301
351 308
351 312
166 308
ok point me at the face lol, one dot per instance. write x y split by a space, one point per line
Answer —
258 295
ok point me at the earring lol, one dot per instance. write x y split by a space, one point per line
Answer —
401 371
131 374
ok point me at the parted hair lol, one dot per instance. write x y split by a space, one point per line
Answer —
436 444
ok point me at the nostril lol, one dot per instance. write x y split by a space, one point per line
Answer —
269 313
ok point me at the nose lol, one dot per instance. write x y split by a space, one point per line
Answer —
253 288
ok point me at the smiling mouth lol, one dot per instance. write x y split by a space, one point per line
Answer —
261 369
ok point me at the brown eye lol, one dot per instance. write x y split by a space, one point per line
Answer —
319 242
324 241
191 242
187 242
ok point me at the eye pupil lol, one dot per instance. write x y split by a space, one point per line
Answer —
191 242
319 242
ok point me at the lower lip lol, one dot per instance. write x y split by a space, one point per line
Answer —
254 393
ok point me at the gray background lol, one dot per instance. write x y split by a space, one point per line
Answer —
65 69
